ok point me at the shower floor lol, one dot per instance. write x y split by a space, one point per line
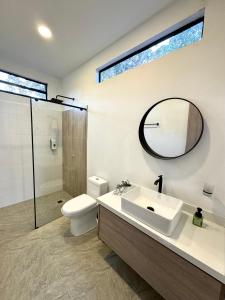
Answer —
48 208
18 219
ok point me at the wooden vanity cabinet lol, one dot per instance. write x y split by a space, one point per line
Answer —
169 274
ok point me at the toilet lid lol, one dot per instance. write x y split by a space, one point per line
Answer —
78 205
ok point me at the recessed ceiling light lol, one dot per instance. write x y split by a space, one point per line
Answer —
44 31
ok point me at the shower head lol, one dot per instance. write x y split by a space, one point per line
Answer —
57 100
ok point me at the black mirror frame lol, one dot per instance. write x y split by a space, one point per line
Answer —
142 139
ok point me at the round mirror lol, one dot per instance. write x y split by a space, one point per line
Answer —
171 128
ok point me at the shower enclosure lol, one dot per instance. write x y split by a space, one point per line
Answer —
43 159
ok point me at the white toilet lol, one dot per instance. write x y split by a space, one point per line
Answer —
82 210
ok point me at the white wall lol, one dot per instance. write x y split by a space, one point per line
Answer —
15 150
16 176
116 106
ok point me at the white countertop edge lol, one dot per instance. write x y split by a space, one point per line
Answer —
156 236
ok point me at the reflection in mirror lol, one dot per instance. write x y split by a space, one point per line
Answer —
171 128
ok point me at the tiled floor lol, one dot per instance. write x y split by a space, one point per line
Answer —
18 219
49 263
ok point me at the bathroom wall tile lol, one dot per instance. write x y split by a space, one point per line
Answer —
15 150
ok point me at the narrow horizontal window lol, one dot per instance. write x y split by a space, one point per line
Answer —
19 85
181 37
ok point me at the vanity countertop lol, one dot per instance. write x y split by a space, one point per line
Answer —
204 247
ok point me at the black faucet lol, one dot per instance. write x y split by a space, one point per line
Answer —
159 182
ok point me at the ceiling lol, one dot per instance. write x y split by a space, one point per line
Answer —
81 29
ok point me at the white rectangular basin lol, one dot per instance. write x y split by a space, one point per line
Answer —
167 209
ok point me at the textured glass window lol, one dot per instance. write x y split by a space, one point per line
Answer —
16 84
176 41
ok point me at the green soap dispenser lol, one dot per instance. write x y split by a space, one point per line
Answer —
198 218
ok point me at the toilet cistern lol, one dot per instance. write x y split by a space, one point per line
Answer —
159 182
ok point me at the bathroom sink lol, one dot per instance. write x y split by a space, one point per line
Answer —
156 210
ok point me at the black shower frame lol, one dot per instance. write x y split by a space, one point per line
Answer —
32 136
32 141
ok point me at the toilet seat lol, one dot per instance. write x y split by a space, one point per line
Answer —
78 205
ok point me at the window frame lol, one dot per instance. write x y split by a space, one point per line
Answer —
150 43
23 86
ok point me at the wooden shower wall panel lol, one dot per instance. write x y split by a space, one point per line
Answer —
74 133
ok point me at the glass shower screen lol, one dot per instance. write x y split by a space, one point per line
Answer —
59 145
